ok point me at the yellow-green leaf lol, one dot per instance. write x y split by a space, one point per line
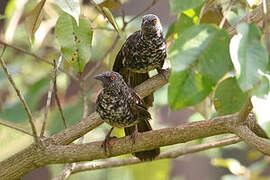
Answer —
33 19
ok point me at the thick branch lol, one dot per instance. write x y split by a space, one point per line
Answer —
144 141
164 155
33 157
252 139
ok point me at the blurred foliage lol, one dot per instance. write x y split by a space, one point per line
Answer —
210 70
196 68
229 98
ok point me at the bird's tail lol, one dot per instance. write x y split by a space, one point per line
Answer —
143 126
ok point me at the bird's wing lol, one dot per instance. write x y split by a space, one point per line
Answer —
138 108
125 53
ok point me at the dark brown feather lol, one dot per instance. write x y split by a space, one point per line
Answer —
143 126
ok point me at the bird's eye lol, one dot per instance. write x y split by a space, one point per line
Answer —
112 78
154 21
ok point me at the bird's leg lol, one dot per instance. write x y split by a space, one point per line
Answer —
134 134
107 139
162 72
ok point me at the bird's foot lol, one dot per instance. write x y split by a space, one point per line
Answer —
133 137
134 134
106 143
162 72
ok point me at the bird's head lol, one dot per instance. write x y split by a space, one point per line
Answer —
110 79
151 25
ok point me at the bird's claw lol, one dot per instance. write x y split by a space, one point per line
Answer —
106 143
133 137
162 72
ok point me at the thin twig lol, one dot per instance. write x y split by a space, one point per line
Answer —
49 97
56 94
143 11
248 14
164 155
46 110
7 124
66 172
37 57
228 9
19 94
3 51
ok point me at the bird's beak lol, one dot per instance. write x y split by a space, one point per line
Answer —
99 77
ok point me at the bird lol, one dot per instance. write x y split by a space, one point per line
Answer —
120 106
143 51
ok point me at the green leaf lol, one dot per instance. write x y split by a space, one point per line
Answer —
229 98
72 7
33 19
179 6
112 20
248 56
200 57
184 21
110 17
262 87
75 40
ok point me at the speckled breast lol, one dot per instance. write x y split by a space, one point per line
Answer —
115 112
147 58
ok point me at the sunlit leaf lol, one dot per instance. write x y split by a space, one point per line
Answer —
200 57
72 7
33 19
110 17
182 5
232 164
75 40
248 55
184 21
229 98
110 4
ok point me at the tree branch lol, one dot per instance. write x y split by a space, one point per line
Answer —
56 92
49 97
36 57
7 124
19 94
142 12
164 155
55 150
66 172
252 139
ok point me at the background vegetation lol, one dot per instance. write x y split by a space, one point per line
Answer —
218 53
